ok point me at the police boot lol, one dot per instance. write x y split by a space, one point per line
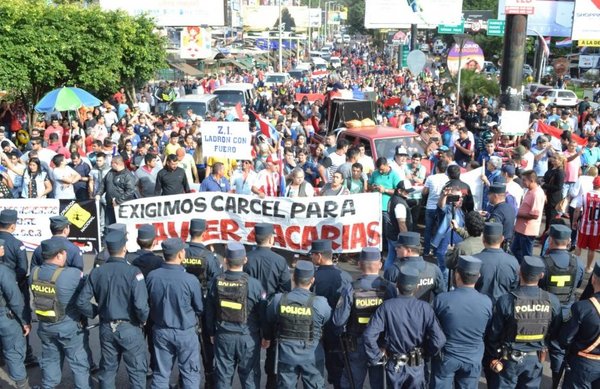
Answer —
209 381
23 384
30 359
555 379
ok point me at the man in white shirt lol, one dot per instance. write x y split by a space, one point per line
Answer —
398 164
187 163
433 188
244 179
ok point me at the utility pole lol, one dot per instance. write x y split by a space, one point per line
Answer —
280 40
413 37
513 58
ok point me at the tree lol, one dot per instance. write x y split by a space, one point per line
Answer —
45 46
474 84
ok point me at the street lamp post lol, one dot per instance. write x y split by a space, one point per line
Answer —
280 41
460 40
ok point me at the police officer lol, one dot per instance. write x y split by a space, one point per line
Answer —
144 259
60 229
358 302
206 266
563 274
120 292
464 315
298 318
234 313
329 282
410 330
499 270
54 285
15 323
15 258
581 337
522 321
501 212
431 281
175 304
103 255
272 271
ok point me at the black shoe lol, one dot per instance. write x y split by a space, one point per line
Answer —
31 361
94 369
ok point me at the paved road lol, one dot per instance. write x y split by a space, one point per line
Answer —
67 382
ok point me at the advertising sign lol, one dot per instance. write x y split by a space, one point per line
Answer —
400 13
173 12
551 18
586 20
519 7
471 57
267 18
195 43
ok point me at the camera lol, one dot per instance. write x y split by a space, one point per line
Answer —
453 198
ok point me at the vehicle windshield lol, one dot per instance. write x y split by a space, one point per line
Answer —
230 97
276 79
387 147
181 107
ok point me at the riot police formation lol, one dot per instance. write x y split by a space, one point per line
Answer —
316 326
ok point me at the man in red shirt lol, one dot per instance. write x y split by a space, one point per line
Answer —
588 207
54 128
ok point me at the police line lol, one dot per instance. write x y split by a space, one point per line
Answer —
33 224
352 221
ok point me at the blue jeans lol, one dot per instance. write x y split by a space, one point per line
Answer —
431 221
391 257
522 246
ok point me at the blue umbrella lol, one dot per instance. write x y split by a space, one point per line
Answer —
66 99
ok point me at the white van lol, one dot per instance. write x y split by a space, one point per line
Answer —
231 94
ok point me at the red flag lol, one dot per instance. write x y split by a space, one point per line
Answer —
557 132
391 101
239 111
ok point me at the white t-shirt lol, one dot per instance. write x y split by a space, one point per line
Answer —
400 211
435 183
62 190
516 191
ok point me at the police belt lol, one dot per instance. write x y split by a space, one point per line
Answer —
518 356
412 359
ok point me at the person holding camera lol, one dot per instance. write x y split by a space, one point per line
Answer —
450 205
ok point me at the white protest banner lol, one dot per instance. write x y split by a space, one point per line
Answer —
473 179
227 139
33 221
351 222
514 122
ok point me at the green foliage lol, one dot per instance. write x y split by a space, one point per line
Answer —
480 5
47 46
472 84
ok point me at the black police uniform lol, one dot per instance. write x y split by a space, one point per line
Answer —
523 320
53 289
580 336
13 315
74 256
271 269
329 282
431 281
175 304
411 333
357 303
299 317
120 292
464 315
234 319
563 275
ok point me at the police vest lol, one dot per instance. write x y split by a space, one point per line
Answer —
531 317
45 300
232 298
561 281
295 320
196 265
426 285
366 302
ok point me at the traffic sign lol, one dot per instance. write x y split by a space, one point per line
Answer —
495 27
451 29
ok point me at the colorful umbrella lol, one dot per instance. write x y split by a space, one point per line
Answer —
66 99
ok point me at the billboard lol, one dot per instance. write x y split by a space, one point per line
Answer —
551 18
400 13
586 20
267 18
195 43
173 12
471 57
